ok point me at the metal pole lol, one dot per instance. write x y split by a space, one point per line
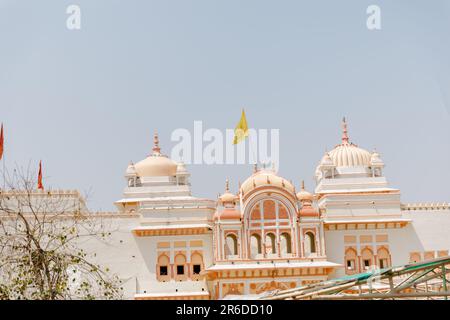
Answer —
444 279
382 296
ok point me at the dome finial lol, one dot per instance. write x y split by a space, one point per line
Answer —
303 185
156 148
227 185
344 132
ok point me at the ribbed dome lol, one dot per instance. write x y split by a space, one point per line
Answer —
156 165
349 155
267 178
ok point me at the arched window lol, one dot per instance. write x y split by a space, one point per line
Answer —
286 244
351 259
366 259
310 243
163 268
137 182
180 267
255 245
270 218
231 245
271 243
196 266
415 257
383 258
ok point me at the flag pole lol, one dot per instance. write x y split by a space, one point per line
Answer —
252 147
4 175
3 157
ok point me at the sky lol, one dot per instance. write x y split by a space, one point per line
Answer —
86 102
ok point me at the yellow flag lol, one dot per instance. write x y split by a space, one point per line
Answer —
241 131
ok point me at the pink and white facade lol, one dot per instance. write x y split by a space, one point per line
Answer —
266 235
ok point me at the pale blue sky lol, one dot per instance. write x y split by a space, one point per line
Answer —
87 102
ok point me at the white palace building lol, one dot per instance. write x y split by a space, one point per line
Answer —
168 244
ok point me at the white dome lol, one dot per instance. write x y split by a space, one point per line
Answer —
156 165
326 160
131 170
375 160
348 154
181 169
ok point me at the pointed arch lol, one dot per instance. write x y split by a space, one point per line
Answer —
286 243
383 256
271 245
310 243
367 258
163 268
231 245
351 261
255 245
180 267
196 266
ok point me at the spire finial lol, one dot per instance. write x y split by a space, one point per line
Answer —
303 185
156 148
227 185
344 132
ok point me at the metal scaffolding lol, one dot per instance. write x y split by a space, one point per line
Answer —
426 280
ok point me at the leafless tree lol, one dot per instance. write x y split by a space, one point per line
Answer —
40 252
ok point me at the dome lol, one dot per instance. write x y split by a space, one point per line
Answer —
181 168
375 160
156 165
227 197
326 160
266 178
304 195
306 199
131 170
348 154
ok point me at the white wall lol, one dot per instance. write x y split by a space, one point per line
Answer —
428 231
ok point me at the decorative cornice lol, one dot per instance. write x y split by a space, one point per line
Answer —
425 206
142 232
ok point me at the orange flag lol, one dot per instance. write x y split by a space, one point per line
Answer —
2 142
40 185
